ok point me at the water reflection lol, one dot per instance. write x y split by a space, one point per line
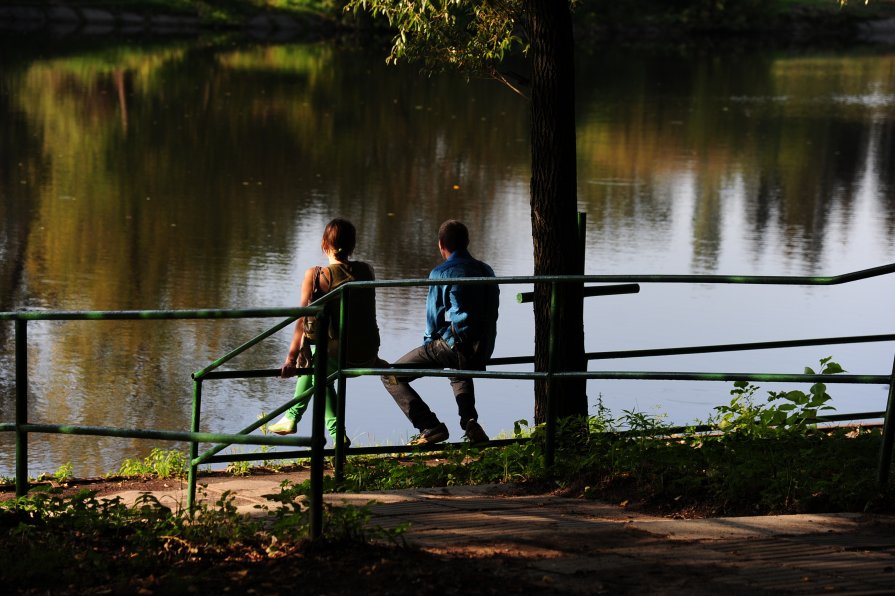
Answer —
201 175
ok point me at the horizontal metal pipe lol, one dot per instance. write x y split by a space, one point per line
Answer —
250 373
727 376
314 308
524 297
439 372
766 345
618 354
168 435
378 450
852 416
633 375
814 280
137 315
9 427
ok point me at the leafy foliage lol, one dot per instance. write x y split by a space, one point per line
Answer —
54 540
795 412
759 458
462 34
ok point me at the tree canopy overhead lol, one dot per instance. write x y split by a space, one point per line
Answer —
469 36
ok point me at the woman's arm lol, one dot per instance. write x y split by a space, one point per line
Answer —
307 288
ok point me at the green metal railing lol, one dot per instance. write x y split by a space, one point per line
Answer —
342 374
22 428
317 440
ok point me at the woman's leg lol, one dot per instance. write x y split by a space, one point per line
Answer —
288 423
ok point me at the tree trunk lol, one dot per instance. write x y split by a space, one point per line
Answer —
554 201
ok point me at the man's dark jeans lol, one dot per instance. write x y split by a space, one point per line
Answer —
435 354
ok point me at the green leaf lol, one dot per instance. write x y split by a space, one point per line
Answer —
833 368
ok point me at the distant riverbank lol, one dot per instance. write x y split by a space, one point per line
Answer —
801 22
61 20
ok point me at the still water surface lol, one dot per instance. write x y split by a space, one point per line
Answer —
201 175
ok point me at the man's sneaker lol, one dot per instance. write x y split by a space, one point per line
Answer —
283 426
475 433
436 434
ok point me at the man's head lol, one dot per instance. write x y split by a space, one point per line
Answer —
453 236
339 237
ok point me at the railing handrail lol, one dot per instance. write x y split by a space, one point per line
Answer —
136 315
806 280
317 308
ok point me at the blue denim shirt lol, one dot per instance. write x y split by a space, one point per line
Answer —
462 313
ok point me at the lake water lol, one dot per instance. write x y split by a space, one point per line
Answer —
200 175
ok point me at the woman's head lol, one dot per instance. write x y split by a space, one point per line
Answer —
339 237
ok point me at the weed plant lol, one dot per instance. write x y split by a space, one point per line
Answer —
160 463
50 540
752 456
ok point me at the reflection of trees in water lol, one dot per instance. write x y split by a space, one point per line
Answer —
763 125
20 174
228 162
21 170
885 171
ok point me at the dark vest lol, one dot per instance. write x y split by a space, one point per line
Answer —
363 339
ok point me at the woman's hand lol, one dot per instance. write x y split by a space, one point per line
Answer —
289 369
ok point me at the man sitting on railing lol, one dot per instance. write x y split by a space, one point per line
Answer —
461 324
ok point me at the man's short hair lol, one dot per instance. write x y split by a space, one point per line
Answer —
453 235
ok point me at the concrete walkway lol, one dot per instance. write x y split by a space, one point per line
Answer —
581 543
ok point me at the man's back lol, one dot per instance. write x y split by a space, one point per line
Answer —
463 312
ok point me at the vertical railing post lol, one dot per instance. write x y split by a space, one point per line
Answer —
885 452
342 386
552 361
582 245
194 446
21 337
318 429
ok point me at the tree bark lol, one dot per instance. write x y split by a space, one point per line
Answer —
554 201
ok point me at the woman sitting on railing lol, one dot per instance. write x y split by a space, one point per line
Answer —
339 238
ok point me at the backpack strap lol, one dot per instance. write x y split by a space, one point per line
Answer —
317 292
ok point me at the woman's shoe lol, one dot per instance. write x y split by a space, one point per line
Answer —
283 426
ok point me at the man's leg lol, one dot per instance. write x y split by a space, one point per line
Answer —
464 393
410 402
